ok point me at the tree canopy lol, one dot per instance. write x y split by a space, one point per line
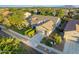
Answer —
10 46
60 12
1 18
17 21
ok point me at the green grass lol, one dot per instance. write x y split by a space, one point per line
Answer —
22 31
25 31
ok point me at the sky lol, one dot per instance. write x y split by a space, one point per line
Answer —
39 2
31 5
76 6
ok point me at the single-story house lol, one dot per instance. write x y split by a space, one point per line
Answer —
45 24
71 36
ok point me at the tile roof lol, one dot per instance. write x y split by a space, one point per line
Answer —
48 26
39 18
71 25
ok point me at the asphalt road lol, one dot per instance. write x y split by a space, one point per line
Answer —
4 34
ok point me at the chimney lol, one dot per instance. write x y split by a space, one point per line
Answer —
77 27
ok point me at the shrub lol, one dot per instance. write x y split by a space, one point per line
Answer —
58 39
46 42
31 33
26 32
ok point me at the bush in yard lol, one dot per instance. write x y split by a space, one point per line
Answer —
26 32
58 39
31 33
46 42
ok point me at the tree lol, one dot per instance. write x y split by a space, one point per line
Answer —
17 21
60 13
6 22
58 39
10 46
1 18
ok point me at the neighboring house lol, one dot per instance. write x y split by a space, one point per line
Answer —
5 12
71 36
27 15
45 24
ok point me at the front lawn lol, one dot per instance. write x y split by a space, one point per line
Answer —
22 31
25 31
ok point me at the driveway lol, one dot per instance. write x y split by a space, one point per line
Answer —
36 39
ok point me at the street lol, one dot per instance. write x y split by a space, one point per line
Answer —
4 34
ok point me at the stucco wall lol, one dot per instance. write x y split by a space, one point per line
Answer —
69 35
